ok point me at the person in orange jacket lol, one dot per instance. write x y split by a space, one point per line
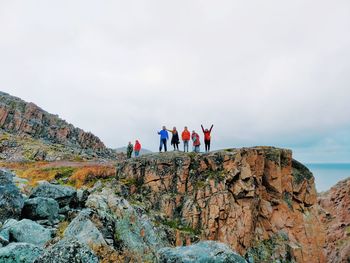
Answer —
207 137
186 137
137 148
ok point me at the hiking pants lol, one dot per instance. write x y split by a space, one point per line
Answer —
186 145
162 142
207 145
196 149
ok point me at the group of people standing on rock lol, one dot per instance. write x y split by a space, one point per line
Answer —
186 136
131 148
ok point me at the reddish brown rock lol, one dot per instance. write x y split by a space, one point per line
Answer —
243 197
335 212
23 119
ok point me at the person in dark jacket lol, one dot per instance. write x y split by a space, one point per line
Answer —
175 140
207 137
129 150
163 139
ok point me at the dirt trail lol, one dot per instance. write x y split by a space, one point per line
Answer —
77 164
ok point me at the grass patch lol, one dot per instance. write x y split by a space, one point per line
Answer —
62 226
176 224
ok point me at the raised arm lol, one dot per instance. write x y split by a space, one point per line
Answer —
202 128
211 127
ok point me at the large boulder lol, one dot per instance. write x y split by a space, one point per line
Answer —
134 232
40 208
84 230
64 195
28 231
202 252
68 250
20 253
11 200
5 231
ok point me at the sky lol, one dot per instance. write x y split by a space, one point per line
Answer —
263 72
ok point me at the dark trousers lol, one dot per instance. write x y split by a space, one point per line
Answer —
207 145
162 142
176 146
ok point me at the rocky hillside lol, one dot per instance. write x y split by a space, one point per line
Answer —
28 132
335 212
236 205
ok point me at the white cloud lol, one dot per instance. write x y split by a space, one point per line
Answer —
264 72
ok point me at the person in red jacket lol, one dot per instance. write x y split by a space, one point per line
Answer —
186 137
207 137
137 148
196 142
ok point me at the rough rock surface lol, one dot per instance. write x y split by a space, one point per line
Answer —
132 232
68 250
5 231
20 118
40 208
83 229
202 252
246 198
335 212
19 253
64 195
11 200
28 231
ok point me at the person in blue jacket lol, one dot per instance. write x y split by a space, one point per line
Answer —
164 136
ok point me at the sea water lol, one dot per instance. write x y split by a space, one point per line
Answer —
328 174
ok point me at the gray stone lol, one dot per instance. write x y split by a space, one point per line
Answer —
202 252
19 253
128 224
11 200
40 208
64 195
68 250
5 231
82 196
28 231
84 230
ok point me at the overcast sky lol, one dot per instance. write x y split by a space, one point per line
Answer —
263 72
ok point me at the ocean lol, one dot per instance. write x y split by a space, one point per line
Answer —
328 174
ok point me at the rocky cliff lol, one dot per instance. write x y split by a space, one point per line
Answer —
335 214
259 201
235 205
22 122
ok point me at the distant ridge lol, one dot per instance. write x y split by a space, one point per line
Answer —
20 120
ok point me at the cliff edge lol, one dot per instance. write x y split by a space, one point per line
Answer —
259 201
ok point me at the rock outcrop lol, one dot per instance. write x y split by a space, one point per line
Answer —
20 252
20 120
64 195
259 200
68 250
28 231
11 200
202 252
335 212
41 208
